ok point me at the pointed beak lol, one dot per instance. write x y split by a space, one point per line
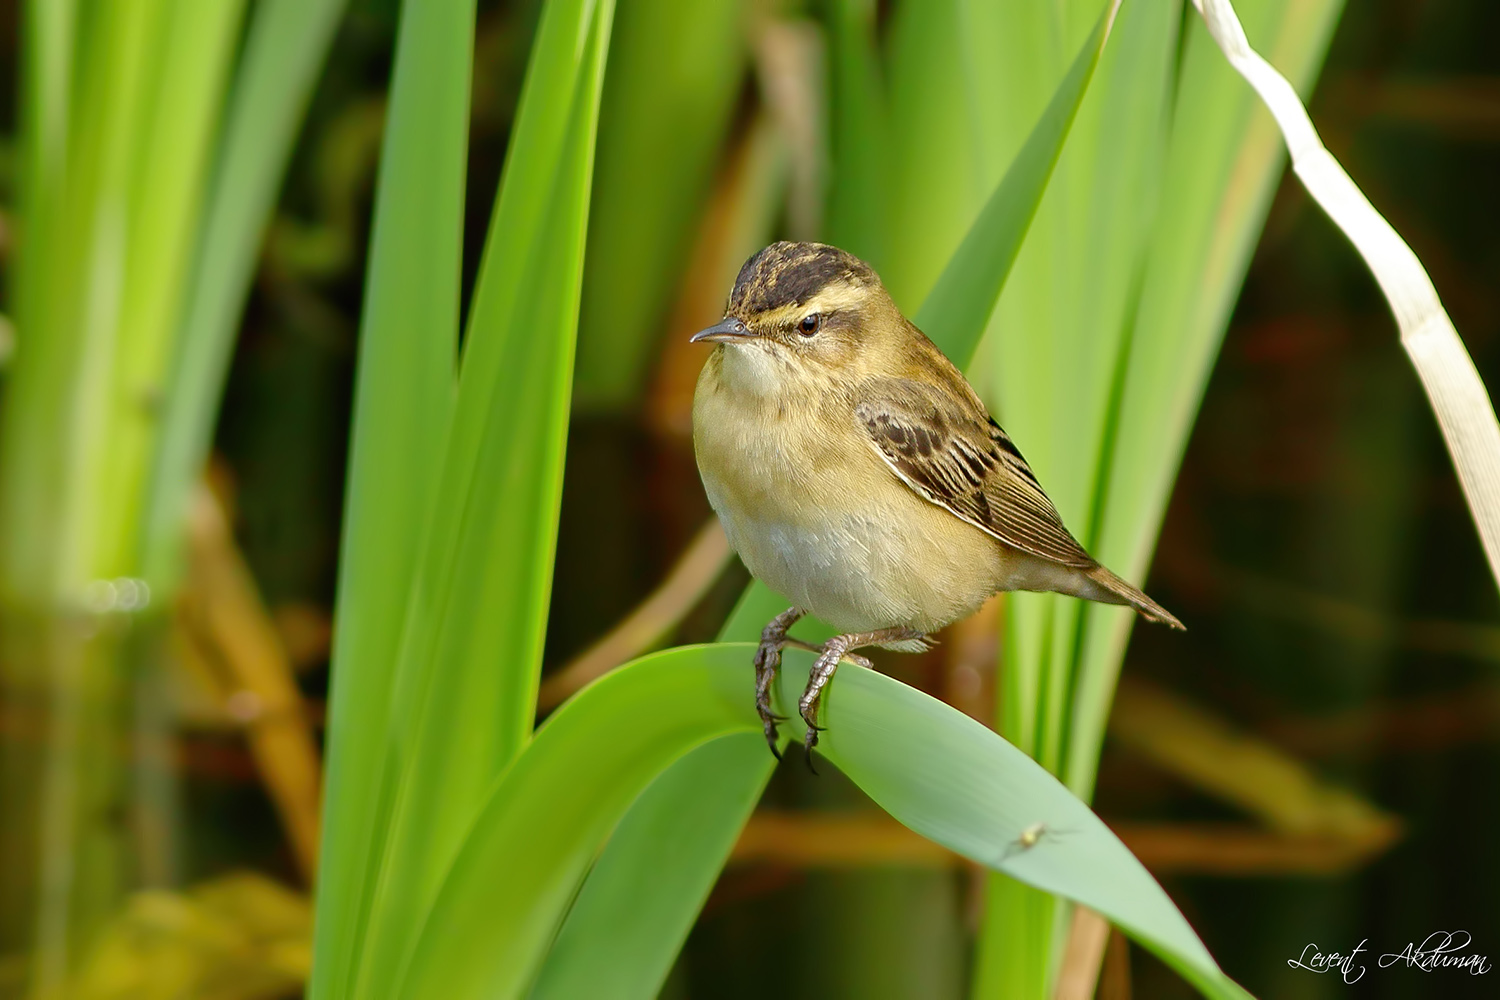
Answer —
725 331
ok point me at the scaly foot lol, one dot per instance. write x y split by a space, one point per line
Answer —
767 659
834 650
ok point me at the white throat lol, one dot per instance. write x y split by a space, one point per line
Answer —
752 369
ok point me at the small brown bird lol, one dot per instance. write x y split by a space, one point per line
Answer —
857 473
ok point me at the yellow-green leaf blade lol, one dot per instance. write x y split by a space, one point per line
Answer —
957 310
465 687
404 386
284 51
1220 171
675 69
930 766
693 810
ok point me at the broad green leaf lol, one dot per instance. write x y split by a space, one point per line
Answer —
284 52
465 688
993 244
675 69
933 768
404 387
695 807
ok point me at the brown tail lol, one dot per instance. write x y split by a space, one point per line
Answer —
1117 591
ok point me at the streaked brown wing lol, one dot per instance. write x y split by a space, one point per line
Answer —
963 461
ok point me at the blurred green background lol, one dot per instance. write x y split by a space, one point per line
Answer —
1339 607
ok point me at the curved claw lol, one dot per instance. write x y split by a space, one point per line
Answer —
833 651
810 740
768 722
767 661
828 660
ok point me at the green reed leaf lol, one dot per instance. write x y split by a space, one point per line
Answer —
933 768
675 69
404 388
284 52
464 692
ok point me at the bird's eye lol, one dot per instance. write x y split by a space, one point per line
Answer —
810 324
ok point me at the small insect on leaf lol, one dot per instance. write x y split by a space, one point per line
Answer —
1029 838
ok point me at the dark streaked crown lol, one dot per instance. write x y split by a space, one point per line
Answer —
791 273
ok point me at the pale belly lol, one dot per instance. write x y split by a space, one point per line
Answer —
823 521
861 571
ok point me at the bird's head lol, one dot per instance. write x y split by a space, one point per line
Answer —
803 312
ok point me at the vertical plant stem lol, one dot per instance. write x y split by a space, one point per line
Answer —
121 105
284 51
182 94
52 445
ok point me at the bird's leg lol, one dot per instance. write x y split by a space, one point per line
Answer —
836 649
767 658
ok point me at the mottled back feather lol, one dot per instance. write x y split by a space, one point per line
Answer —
948 448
